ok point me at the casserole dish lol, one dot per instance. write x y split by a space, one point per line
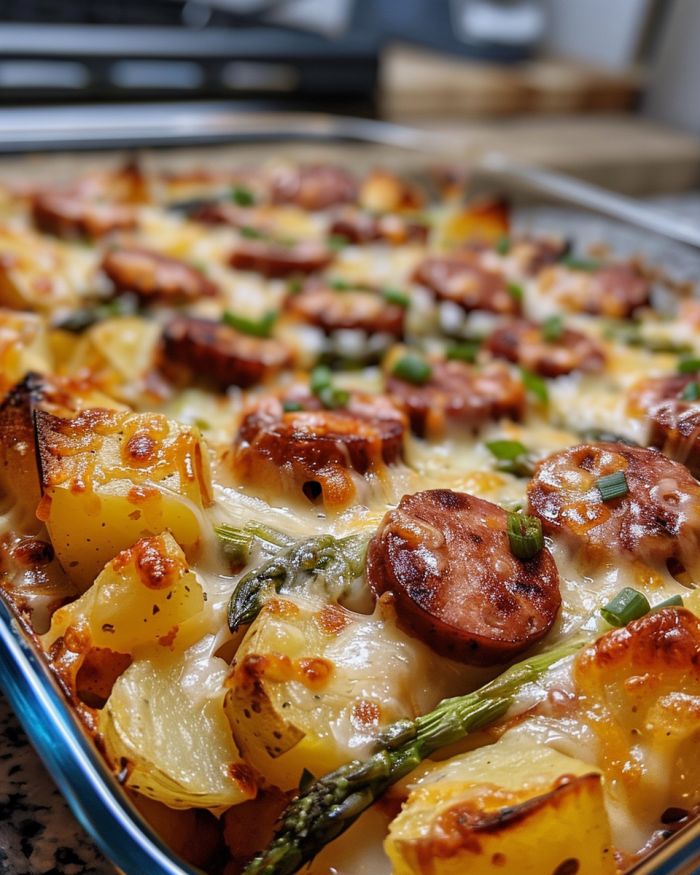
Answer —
97 800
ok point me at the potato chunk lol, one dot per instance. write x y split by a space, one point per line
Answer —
639 689
23 347
512 807
312 685
165 719
146 596
110 477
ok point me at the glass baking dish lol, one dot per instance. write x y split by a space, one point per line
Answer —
93 793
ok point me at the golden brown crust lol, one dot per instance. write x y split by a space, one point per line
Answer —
523 342
616 290
445 558
463 280
358 309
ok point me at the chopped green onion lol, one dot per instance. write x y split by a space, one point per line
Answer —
292 407
84 318
320 378
505 450
691 392
295 285
200 265
336 242
202 424
552 329
575 263
465 351
251 233
331 397
612 486
502 245
674 601
515 291
256 327
535 385
235 542
688 365
396 296
413 369
340 285
628 605
242 196
525 535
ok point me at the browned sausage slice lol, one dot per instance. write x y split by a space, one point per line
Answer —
224 213
672 405
74 217
617 290
460 395
220 354
313 451
462 279
359 309
524 343
534 253
360 227
273 259
657 520
313 187
151 275
446 559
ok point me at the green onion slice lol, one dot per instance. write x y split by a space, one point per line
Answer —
525 535
336 242
235 542
396 296
413 369
256 327
552 329
691 392
674 601
505 450
535 385
292 406
689 365
244 197
628 605
465 351
574 263
515 290
332 398
612 486
502 246
251 233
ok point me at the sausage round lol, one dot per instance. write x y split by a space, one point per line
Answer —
276 260
461 395
617 290
656 521
313 187
462 279
71 216
313 452
220 354
674 422
534 253
360 227
446 559
151 275
359 309
523 342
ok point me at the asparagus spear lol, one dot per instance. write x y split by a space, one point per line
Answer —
328 806
339 559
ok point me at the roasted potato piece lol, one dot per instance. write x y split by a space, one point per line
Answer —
110 477
165 719
483 222
312 684
146 596
639 689
23 347
514 807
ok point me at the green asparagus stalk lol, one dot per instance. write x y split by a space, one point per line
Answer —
331 804
338 559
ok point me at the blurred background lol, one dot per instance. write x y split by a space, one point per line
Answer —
604 88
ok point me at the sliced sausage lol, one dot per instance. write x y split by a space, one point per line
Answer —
220 354
617 290
274 259
462 279
524 343
359 309
656 521
535 253
313 452
674 420
360 227
74 217
313 187
153 276
445 557
224 213
461 395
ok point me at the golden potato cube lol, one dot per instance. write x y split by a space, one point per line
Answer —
145 597
514 807
111 477
313 683
23 347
